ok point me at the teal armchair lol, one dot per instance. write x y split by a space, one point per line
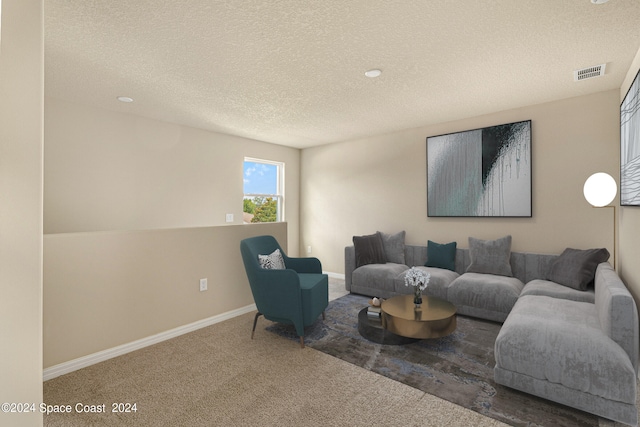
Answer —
296 295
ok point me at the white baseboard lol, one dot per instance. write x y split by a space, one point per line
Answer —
334 275
101 356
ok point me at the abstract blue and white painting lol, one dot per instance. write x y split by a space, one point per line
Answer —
630 146
483 172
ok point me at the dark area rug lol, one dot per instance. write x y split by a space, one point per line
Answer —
457 368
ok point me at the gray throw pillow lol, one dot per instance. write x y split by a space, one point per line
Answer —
369 250
576 268
393 246
490 256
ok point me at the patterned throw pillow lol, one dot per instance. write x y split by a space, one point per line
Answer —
273 261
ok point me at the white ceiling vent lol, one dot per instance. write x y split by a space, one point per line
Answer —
589 73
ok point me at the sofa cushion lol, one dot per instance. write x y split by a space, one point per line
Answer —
488 293
577 268
490 256
441 255
369 250
560 341
537 266
393 245
556 290
438 282
378 276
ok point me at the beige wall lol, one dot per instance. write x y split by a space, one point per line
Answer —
21 106
112 171
107 171
379 183
108 289
629 266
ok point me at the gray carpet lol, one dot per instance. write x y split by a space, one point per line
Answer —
218 376
457 368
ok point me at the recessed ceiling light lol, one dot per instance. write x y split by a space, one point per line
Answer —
599 1
124 99
373 73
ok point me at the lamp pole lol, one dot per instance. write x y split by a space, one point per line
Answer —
600 189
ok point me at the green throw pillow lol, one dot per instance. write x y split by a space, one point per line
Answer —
441 255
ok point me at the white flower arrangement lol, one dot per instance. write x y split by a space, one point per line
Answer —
417 278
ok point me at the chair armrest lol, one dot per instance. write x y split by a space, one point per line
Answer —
304 265
278 293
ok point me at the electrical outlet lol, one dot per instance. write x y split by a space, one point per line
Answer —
309 249
203 285
229 218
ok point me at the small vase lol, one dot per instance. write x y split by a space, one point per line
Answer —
417 297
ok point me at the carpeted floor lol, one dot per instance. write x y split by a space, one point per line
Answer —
457 368
218 376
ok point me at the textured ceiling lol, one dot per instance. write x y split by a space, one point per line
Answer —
291 72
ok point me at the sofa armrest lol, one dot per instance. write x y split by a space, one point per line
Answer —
349 265
617 311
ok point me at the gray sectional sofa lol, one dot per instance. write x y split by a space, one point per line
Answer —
487 296
576 347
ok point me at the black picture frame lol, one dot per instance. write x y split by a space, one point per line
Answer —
630 145
483 172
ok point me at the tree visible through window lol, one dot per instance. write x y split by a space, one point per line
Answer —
263 191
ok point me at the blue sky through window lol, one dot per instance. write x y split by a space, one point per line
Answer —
260 178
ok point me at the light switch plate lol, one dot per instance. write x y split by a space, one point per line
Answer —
229 217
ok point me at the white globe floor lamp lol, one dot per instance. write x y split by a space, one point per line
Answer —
600 189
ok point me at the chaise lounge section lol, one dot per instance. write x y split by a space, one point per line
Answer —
575 353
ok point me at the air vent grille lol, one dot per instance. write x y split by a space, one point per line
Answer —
589 73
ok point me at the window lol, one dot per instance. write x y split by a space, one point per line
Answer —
263 191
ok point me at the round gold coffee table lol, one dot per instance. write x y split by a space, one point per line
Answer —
435 318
